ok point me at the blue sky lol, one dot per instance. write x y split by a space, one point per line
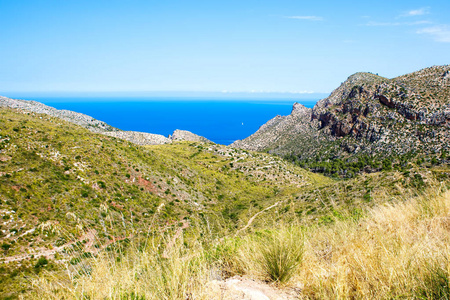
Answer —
236 46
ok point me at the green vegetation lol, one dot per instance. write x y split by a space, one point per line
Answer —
327 163
90 216
391 251
367 124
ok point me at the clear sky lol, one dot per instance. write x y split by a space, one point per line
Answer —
191 45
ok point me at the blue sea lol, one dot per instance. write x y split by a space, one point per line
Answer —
221 121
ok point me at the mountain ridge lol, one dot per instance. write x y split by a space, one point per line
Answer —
368 114
97 126
70 197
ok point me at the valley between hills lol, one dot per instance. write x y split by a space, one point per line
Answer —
349 199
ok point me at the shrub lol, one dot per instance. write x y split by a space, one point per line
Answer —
101 184
6 246
41 262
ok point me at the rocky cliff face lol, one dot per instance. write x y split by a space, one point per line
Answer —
139 138
368 114
281 130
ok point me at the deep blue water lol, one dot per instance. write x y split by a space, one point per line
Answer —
221 121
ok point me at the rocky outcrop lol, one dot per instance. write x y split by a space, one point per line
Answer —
366 113
139 138
144 138
67 115
280 130
184 135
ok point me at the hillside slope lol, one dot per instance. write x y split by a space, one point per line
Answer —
51 170
63 188
367 114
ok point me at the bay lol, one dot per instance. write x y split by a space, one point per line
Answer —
221 121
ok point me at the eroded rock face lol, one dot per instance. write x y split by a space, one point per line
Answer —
388 102
368 112
279 130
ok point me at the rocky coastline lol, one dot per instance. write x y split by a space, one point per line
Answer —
97 126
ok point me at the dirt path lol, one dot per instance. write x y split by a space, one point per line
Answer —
89 236
240 288
254 217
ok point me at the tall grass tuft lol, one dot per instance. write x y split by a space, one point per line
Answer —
275 254
435 282
154 272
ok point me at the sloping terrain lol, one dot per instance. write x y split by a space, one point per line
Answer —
64 189
58 182
396 250
50 168
367 115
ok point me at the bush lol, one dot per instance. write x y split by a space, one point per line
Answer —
41 262
6 246
101 184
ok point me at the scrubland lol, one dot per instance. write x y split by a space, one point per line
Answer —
86 216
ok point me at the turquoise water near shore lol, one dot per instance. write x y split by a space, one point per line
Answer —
221 121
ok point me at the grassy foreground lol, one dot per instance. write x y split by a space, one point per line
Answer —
91 217
396 250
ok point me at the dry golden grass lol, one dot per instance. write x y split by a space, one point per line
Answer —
150 273
273 255
398 251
